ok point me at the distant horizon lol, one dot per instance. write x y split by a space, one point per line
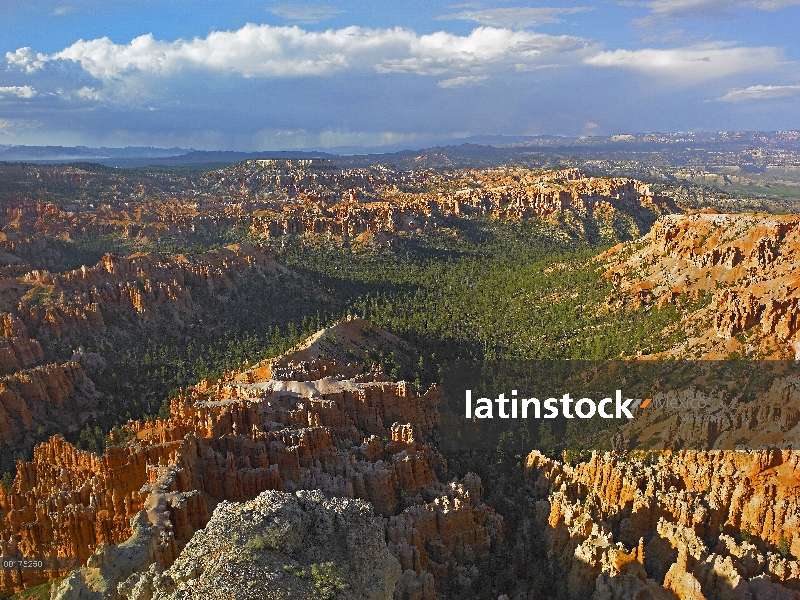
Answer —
392 148
318 74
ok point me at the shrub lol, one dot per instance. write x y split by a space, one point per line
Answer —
328 579
783 546
271 539
746 535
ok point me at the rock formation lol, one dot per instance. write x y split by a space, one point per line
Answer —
17 350
502 193
358 438
292 544
743 265
30 398
700 524
274 198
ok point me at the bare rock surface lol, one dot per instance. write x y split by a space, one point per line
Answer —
279 545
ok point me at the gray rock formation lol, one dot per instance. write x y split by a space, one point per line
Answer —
278 545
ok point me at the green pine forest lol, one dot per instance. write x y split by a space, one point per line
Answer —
475 289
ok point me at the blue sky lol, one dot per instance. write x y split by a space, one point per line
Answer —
260 75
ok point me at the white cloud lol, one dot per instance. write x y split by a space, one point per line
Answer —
267 51
467 80
760 92
25 59
515 16
691 64
665 13
590 128
713 8
443 52
11 128
20 91
304 13
88 93
64 10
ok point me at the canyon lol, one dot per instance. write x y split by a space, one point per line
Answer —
108 300
325 445
43 303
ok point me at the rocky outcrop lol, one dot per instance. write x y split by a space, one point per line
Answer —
361 439
456 525
734 274
520 194
109 566
296 544
30 398
17 350
700 524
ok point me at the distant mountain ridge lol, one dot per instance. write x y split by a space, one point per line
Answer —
483 146
140 156
56 153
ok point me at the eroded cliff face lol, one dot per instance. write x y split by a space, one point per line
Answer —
359 438
745 415
275 198
745 265
36 397
689 525
586 207
136 287
17 350
120 291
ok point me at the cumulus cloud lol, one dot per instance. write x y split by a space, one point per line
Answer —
693 64
304 13
514 16
760 92
464 81
268 51
18 91
26 60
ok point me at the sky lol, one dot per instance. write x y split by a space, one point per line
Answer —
255 75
